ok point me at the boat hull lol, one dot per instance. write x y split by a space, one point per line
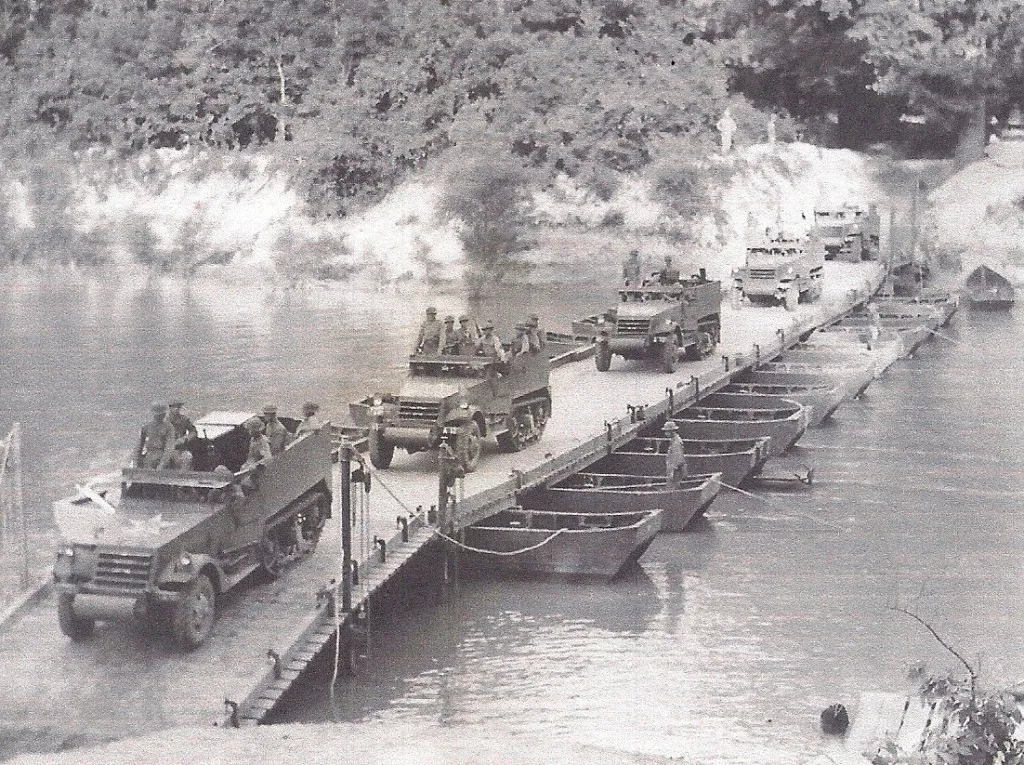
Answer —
735 460
741 416
627 492
820 400
562 543
986 288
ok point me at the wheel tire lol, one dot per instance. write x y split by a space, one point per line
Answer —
381 453
521 428
313 526
469 446
541 415
194 615
71 624
603 357
271 558
669 355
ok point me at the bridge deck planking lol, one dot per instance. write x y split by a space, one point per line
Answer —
122 682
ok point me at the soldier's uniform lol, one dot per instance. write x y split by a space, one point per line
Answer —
179 458
669 274
520 343
429 339
310 422
449 336
490 344
156 439
675 456
467 337
259 445
538 342
276 433
632 269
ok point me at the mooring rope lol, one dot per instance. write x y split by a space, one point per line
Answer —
947 337
807 516
376 475
511 553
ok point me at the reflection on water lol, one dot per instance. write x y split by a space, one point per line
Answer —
723 646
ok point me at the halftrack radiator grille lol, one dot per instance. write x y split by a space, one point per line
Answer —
632 326
762 273
123 571
419 411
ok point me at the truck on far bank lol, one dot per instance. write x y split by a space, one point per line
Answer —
848 233
470 397
173 541
660 321
782 271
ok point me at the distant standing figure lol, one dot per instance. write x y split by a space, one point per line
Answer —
727 128
632 269
156 439
277 434
520 343
310 422
429 340
875 322
538 341
772 130
675 457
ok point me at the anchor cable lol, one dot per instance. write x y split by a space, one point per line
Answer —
807 516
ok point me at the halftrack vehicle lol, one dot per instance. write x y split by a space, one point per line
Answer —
663 322
848 233
472 397
173 541
782 271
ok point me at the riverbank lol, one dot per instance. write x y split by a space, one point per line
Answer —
241 218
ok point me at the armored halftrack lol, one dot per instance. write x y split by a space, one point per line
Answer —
782 270
848 232
173 541
476 396
663 322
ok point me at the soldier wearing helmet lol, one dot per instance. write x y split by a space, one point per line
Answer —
490 344
277 434
179 458
156 439
259 445
632 268
310 422
675 456
449 336
538 342
429 340
467 337
521 343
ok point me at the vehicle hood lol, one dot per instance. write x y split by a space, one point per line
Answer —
148 524
432 388
641 310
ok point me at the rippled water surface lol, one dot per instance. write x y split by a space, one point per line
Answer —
722 646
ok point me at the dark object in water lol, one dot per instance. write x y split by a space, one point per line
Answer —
989 289
835 720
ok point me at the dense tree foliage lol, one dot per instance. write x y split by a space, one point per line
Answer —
359 92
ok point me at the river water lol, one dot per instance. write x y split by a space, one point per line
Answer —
726 642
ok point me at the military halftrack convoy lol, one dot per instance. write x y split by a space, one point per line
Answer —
781 270
468 397
659 321
175 540
848 233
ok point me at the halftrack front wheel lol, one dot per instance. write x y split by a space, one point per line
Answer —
603 357
669 355
521 430
469 446
381 453
272 555
194 615
71 624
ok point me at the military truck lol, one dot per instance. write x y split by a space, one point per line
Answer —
171 542
782 271
848 232
476 396
661 321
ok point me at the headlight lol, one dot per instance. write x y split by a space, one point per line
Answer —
67 552
600 321
184 562
378 400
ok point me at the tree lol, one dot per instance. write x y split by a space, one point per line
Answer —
951 60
